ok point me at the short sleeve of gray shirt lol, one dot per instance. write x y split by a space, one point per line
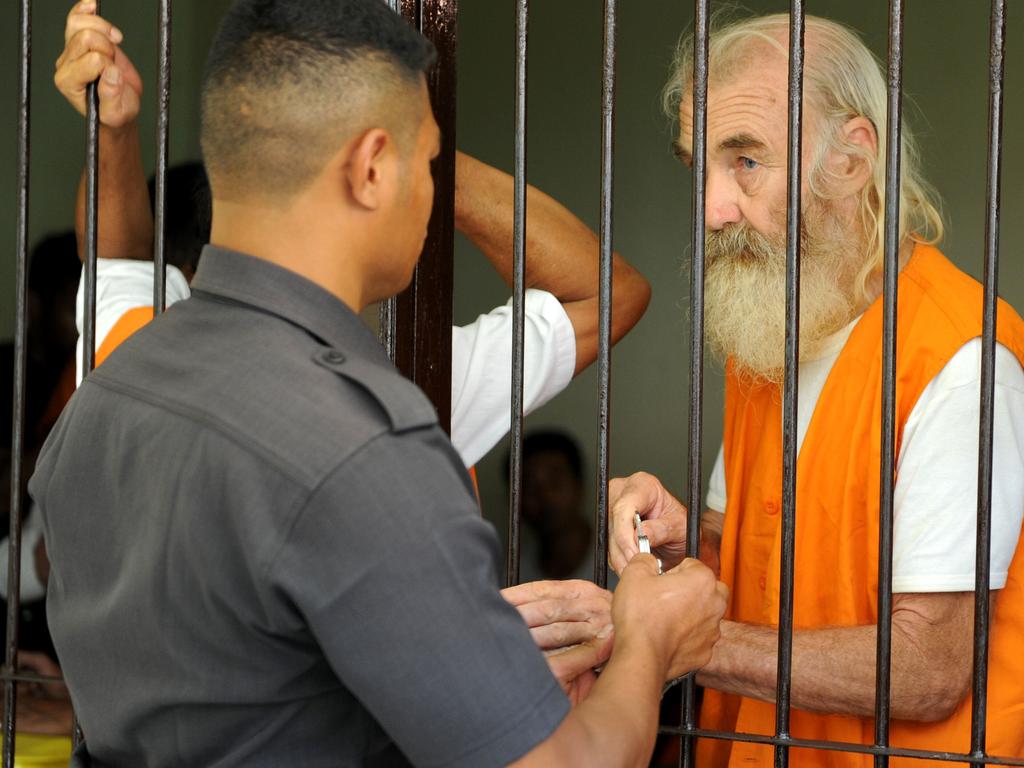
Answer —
409 617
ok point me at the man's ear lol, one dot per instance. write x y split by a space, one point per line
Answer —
370 168
852 167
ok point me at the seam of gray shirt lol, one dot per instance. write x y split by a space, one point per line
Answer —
206 419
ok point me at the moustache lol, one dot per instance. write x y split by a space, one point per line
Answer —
741 243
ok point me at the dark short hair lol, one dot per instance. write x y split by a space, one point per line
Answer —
346 29
187 216
551 441
286 79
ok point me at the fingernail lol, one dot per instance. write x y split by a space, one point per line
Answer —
116 35
605 631
112 75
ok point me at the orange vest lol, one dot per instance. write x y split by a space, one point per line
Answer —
836 562
126 325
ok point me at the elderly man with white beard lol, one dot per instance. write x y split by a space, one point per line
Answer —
837 496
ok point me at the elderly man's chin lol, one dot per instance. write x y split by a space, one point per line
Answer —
745 292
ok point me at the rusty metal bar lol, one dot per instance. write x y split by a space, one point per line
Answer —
19 392
29 677
983 564
518 295
695 501
889 303
604 355
92 140
790 381
92 154
163 117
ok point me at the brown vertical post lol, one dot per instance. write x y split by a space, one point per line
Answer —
422 315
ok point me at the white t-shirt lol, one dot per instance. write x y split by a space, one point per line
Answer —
122 285
936 496
482 370
481 351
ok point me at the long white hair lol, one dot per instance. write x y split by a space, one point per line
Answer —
842 80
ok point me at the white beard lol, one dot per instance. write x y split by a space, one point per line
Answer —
745 291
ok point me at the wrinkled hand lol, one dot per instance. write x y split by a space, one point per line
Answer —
92 50
562 613
674 618
571 622
664 519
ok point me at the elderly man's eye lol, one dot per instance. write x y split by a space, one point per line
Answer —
748 164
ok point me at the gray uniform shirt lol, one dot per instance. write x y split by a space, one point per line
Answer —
265 551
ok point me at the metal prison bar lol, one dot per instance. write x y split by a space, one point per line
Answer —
883 644
518 293
18 389
694 501
411 324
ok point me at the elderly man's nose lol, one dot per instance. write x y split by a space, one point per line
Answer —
721 204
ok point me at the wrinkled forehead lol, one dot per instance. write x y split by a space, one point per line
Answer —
751 102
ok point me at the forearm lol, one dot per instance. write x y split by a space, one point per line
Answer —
125 221
561 252
833 671
616 724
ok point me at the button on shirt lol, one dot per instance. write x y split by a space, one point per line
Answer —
265 551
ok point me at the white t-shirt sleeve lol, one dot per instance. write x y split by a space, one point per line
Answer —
122 285
716 498
936 496
482 370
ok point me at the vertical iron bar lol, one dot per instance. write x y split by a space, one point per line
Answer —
163 117
695 502
790 380
889 304
388 328
983 564
92 164
518 294
92 130
386 333
18 416
604 360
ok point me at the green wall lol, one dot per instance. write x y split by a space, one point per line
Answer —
945 77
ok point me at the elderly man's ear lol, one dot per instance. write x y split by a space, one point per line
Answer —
852 165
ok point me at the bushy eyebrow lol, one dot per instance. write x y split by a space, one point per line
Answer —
742 141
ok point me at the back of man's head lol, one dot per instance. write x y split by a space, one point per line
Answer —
288 82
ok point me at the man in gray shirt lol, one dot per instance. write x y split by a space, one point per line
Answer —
265 552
